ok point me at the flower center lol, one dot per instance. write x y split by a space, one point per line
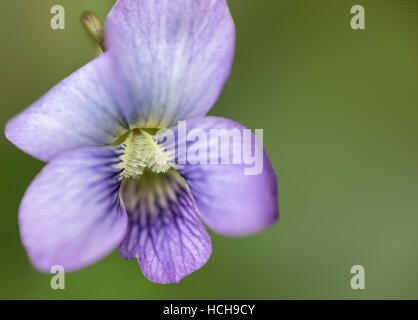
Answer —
152 193
142 153
149 182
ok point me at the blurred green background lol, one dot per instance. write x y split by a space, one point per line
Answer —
339 113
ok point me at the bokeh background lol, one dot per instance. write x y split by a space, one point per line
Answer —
339 113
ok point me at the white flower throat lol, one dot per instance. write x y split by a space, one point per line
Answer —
149 182
151 194
142 153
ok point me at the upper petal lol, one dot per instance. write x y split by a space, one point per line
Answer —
71 214
173 57
80 111
231 199
165 233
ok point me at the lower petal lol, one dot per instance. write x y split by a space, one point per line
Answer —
165 233
71 214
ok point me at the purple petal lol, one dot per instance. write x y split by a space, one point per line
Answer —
173 57
230 200
80 111
71 214
165 233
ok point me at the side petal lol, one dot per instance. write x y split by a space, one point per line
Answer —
78 112
173 57
71 214
235 196
165 233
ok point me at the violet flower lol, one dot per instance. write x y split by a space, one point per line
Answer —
108 183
